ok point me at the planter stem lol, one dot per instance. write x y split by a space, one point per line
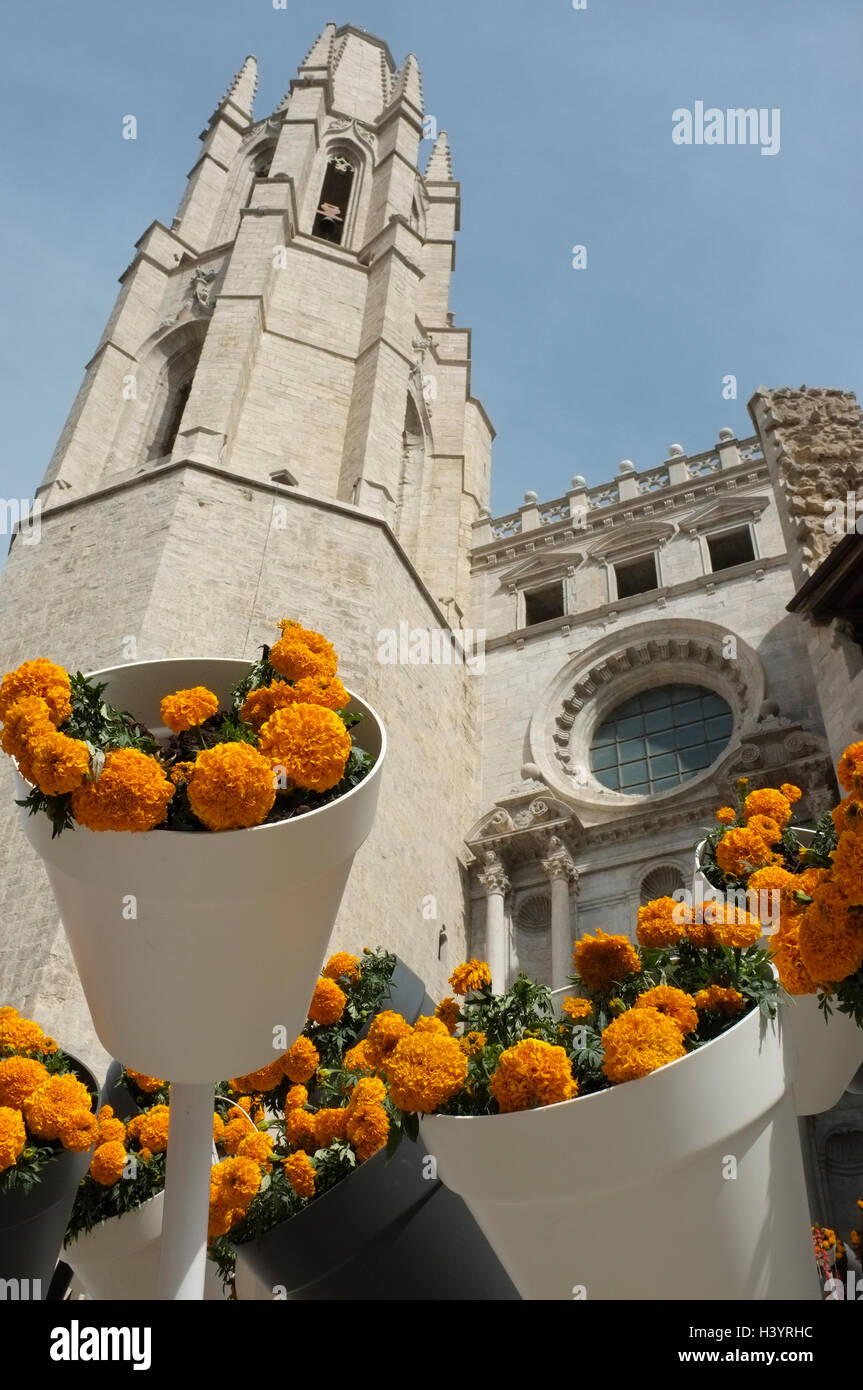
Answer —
187 1191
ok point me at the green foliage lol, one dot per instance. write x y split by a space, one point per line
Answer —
824 841
100 725
95 1203
259 674
58 809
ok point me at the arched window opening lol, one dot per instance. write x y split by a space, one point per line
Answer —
335 198
260 169
169 426
169 403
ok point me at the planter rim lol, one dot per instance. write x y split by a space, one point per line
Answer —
226 834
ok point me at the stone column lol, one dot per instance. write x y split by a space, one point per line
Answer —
562 873
495 885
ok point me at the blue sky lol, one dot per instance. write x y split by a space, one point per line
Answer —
702 261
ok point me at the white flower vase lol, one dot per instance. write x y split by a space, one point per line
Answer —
828 1052
198 952
119 1258
687 1184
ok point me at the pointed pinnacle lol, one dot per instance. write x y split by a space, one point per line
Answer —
320 53
241 92
439 167
408 85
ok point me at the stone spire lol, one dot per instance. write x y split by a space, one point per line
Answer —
241 93
321 52
439 167
408 84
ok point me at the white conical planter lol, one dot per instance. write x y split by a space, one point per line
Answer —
629 1193
119 1258
230 928
827 1054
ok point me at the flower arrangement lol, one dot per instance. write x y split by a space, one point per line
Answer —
817 941
44 1107
634 1008
282 747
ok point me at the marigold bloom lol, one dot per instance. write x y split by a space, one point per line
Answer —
110 1129
19 1078
342 965
40 677
181 772
849 769
639 1042
532 1073
367 1129
147 1084
718 1000
424 1071
790 792
300 1062
258 1146
602 960
848 815
472 1043
577 1008
774 878
108 1163
186 709
218 1127
726 815
768 802
357 1058
769 829
328 1002
234 1182
847 870
471 977
296 1098
386 1030
310 742
302 653
154 1130
330 1124
831 936
78 1129
741 851
233 1134
231 787
26 720
432 1024
48 1107
300 1130
785 954
728 926
260 704
132 793
449 1013
23 1034
676 1004
60 764
661 922
267 1079
13 1136
300 1173
368 1091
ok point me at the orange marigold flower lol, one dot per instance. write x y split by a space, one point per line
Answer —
726 815
322 690
218 1127
108 1163
449 1013
23 1034
602 960
639 1042
260 704
329 1125
267 1079
181 772
300 1130
328 1002
472 1043
110 1129
849 769
154 1130
848 815
310 743
147 1084
471 977
386 1030
676 1004
302 653
424 1071
785 953
19 1078
296 1098
48 1107
661 922
532 1073
431 1024
741 851
300 1062
300 1173
258 1146
186 709
78 1129
831 936
40 677
774 878
132 793
768 829
847 870
577 1008
790 792
26 720
768 802
234 1132
231 787
342 965
717 1000
234 1182
367 1129
13 1136
60 764
368 1091
730 926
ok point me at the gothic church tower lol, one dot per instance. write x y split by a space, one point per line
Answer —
278 421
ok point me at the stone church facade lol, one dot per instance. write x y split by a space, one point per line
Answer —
279 421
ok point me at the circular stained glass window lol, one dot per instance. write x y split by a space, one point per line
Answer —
659 739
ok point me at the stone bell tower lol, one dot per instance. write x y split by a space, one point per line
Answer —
278 420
